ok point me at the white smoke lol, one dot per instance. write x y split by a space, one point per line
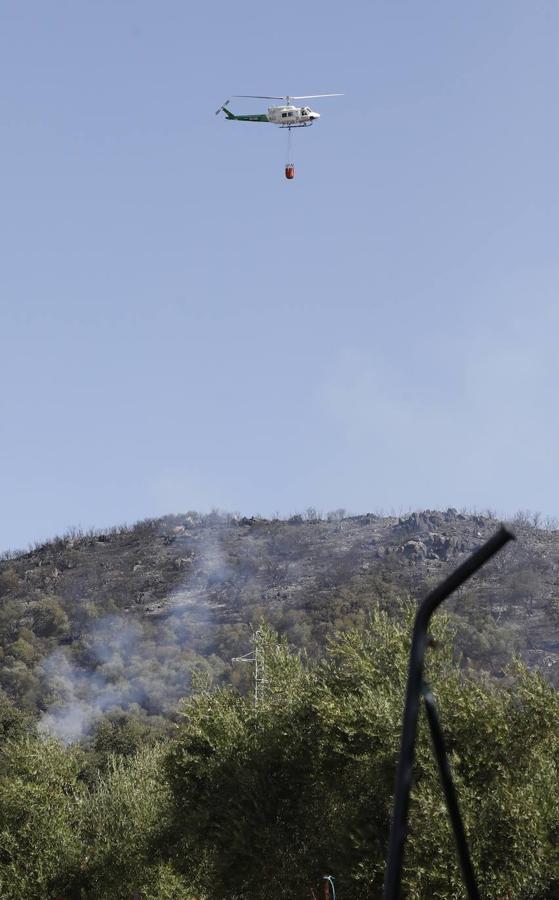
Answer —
82 698
135 662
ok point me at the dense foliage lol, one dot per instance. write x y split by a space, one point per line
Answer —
250 801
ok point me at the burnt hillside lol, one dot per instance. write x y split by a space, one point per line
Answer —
120 620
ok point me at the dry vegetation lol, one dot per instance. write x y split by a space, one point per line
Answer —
120 620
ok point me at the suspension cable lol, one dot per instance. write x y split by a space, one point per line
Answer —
289 146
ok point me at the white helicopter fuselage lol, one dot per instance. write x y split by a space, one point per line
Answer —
291 116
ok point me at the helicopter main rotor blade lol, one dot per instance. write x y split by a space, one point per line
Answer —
259 96
286 96
312 96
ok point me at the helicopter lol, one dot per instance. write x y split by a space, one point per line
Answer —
286 116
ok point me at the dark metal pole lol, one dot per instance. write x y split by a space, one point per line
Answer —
450 794
413 691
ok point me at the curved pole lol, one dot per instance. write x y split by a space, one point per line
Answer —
404 770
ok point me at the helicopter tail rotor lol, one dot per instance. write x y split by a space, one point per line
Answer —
222 107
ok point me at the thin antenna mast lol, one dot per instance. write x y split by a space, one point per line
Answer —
256 656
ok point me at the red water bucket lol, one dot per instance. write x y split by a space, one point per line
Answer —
290 170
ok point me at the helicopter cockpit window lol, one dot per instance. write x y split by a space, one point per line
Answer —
289 113
284 115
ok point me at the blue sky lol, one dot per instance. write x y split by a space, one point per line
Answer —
182 328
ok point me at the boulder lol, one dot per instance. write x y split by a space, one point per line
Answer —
414 549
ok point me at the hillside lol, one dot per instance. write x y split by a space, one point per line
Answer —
119 621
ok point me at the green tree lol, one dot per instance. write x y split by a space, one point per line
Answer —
13 722
267 798
40 812
49 619
124 816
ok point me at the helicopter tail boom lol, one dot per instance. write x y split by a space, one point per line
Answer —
259 117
